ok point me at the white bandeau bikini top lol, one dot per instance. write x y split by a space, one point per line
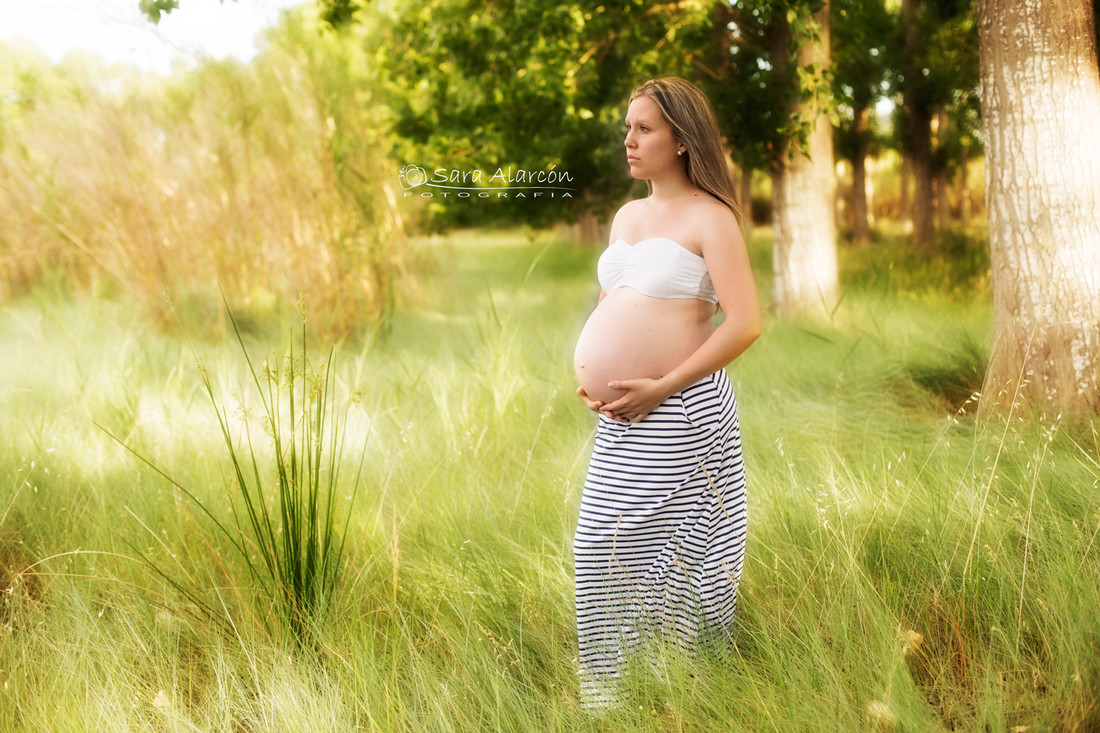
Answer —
658 267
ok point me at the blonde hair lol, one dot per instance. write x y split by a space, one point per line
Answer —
690 115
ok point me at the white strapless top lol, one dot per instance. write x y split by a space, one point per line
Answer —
658 267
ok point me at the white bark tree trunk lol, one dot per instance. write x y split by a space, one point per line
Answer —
804 209
1040 106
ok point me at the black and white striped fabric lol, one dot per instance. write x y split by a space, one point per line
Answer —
661 535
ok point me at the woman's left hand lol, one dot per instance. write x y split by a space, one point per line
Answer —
642 397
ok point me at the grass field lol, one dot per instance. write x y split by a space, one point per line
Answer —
911 566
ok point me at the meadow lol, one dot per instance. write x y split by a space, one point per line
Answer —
912 565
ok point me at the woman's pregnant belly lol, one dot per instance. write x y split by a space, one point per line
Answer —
632 336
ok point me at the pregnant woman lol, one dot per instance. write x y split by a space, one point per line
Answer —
661 534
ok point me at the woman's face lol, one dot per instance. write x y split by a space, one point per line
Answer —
650 146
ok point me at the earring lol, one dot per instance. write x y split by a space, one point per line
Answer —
679 152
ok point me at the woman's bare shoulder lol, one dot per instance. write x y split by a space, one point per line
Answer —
630 208
704 204
714 225
626 213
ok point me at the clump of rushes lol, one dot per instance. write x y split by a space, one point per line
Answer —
289 537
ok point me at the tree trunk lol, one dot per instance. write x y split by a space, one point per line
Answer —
1040 103
872 167
903 195
920 131
744 195
942 191
861 229
962 191
941 185
804 209
922 208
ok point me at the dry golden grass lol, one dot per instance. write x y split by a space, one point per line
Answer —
266 181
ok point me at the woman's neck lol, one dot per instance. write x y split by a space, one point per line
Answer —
670 187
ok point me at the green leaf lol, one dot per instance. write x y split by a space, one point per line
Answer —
154 8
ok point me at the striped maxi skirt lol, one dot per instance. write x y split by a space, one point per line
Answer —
661 535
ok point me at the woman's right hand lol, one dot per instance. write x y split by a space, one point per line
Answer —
590 403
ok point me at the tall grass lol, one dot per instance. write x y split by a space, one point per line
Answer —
910 566
265 180
292 542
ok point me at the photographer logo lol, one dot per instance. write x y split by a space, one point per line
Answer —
412 176
504 182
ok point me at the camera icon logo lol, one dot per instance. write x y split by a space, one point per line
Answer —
412 176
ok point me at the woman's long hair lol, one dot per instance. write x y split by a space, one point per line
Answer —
691 117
